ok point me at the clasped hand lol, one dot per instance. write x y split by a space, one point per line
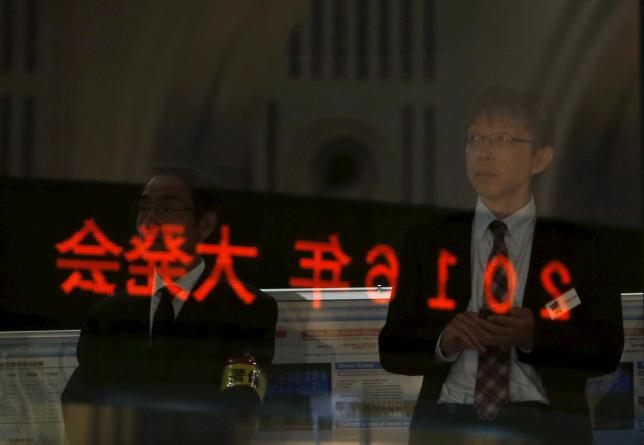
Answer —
468 331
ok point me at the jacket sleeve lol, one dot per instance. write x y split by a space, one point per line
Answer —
254 334
593 338
87 382
408 339
251 333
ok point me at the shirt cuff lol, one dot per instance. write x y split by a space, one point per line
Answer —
439 354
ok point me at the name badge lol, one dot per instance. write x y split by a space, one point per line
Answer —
563 304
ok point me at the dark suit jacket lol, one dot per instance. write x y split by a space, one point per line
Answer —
565 353
176 398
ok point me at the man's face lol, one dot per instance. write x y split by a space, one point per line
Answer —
501 171
167 200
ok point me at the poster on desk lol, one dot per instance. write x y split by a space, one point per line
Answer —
34 369
326 383
616 400
338 341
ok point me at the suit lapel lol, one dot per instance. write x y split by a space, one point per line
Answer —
138 313
199 313
460 277
452 235
534 296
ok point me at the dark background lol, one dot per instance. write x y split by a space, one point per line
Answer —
38 214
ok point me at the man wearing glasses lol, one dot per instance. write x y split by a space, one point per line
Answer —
473 311
169 357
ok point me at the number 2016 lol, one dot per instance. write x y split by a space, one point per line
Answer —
446 259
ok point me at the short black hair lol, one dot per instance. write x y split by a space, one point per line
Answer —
202 188
531 108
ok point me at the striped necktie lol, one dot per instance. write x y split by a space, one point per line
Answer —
492 389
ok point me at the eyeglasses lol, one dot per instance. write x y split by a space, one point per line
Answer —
502 142
163 210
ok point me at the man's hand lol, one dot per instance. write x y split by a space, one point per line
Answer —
514 329
466 331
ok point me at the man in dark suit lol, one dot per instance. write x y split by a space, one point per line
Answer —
191 370
470 312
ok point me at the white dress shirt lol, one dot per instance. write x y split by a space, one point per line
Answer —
186 283
525 383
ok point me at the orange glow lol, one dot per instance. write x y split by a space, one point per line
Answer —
441 301
163 261
390 271
98 284
224 265
494 304
97 268
74 243
559 268
160 249
318 264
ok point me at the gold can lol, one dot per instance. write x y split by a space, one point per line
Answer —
244 371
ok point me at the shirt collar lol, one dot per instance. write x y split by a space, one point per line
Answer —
186 282
518 223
